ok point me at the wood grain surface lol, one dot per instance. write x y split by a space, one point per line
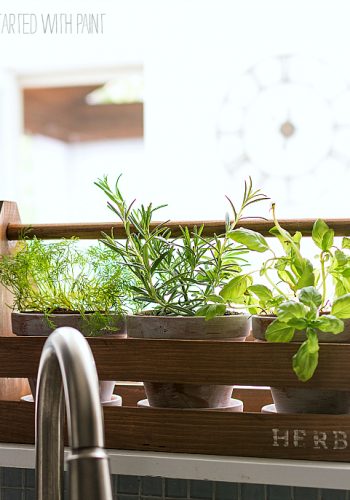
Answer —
309 437
93 230
9 389
187 361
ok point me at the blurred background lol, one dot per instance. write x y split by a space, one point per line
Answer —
185 98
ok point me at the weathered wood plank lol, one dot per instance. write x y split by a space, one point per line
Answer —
93 230
307 437
9 389
188 361
229 434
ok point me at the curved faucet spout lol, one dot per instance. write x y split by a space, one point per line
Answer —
67 372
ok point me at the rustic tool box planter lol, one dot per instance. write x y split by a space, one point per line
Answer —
248 434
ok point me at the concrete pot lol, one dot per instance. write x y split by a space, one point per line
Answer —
233 328
304 400
35 324
236 406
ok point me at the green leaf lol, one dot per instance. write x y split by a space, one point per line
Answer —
329 324
310 296
211 311
261 291
305 361
290 310
251 239
158 260
341 258
345 242
327 240
307 277
297 237
322 235
236 287
279 332
319 230
341 307
215 298
298 323
284 237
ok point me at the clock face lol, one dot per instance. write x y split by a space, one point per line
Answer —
286 118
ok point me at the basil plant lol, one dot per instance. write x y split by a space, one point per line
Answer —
311 297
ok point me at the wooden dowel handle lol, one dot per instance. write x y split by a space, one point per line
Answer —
88 231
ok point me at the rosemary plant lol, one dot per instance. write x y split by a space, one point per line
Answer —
189 275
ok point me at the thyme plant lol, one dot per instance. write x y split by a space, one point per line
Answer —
187 275
60 277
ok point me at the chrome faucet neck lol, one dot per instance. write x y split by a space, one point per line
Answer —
67 374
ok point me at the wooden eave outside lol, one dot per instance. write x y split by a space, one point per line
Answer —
63 113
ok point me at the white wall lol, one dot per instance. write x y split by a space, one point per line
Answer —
10 130
197 53
57 179
193 53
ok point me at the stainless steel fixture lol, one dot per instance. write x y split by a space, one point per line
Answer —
67 372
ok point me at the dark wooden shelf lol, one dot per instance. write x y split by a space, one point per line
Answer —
205 432
189 361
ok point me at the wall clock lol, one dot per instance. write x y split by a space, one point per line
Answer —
284 119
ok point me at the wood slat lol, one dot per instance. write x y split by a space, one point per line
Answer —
186 361
209 432
14 388
227 434
93 230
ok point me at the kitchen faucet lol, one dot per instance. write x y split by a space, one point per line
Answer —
67 374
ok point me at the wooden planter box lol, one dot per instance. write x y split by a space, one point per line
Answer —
249 434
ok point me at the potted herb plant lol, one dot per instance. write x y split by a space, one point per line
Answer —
188 287
59 284
307 304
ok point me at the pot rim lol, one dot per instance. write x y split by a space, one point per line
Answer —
149 316
67 313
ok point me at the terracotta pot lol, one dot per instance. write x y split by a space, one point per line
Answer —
304 400
234 328
35 324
